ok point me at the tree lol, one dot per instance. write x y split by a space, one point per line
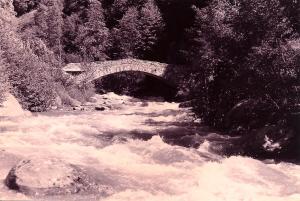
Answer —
71 50
28 76
75 6
265 33
139 31
49 23
292 11
233 47
25 6
259 21
151 27
116 9
210 44
277 74
85 34
127 36
92 36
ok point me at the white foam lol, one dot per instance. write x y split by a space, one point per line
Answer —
269 145
142 170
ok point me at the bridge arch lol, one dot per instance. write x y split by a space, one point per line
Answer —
92 71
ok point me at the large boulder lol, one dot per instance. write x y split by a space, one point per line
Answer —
11 107
51 177
271 141
250 114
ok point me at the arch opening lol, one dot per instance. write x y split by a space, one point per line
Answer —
136 84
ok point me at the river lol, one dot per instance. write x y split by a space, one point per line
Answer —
124 148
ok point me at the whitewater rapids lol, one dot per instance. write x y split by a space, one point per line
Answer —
139 168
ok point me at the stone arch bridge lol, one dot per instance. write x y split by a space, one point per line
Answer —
87 72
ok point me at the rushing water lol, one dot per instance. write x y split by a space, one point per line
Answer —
122 149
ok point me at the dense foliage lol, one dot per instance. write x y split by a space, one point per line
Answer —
25 6
239 52
28 76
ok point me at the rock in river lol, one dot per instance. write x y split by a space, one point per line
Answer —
99 108
51 177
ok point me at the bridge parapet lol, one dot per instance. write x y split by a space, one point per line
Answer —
97 70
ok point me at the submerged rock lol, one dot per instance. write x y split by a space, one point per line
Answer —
144 104
51 177
182 137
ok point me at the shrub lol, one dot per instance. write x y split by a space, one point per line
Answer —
3 78
29 77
